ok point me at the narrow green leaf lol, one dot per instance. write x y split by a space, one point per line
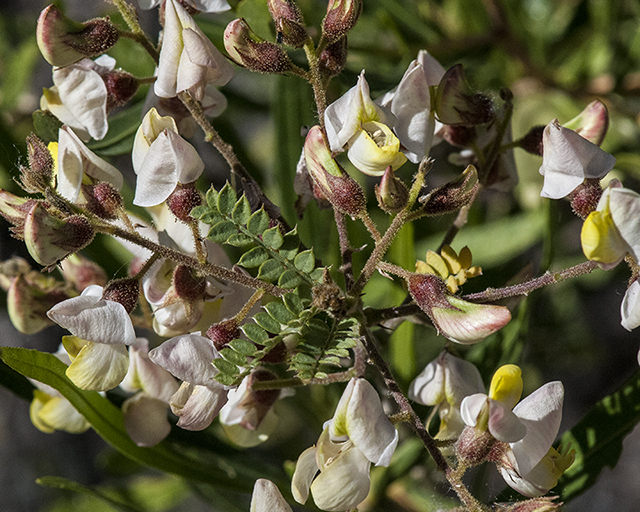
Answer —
233 357
226 367
272 238
13 381
69 485
241 211
212 198
255 333
290 244
270 270
305 261
289 279
267 322
240 240
278 311
226 200
244 347
253 258
222 231
258 223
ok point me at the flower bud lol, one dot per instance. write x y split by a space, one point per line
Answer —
187 284
50 239
82 272
392 194
28 303
584 199
123 291
121 86
223 333
452 196
247 49
15 209
457 103
63 41
341 17
289 23
592 123
342 191
257 402
103 200
458 135
334 57
184 199
543 504
37 176
532 141
473 446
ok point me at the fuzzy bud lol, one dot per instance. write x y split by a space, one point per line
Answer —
458 135
63 41
247 49
392 194
223 333
121 86
341 17
592 123
473 446
342 191
184 199
584 199
15 209
187 284
50 239
289 23
103 200
458 103
334 57
452 196
37 176
124 291
532 141
542 504
82 272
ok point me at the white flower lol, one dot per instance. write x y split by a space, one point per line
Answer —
630 308
74 162
79 96
266 497
444 383
359 433
145 413
568 159
201 5
188 60
162 159
200 397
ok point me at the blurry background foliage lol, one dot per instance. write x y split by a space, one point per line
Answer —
555 55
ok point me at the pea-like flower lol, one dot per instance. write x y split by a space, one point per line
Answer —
266 497
188 60
200 5
358 434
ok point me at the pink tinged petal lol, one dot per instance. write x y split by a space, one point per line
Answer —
630 308
188 357
266 497
202 52
99 367
625 212
504 425
344 483
145 419
428 387
145 375
568 159
522 485
541 413
93 319
84 93
172 46
201 408
471 407
306 469
433 70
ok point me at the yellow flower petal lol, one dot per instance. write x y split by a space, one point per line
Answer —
506 385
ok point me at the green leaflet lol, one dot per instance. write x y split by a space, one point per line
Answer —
69 485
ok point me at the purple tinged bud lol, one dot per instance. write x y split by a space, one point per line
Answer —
63 41
37 176
342 191
458 135
252 52
124 291
27 304
82 272
458 103
474 445
584 199
532 141
121 86
103 200
334 57
223 333
592 123
341 17
184 199
188 285
289 23
452 196
392 194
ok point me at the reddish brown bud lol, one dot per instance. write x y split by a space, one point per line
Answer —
125 291
184 199
584 199
429 291
37 176
532 141
289 23
82 272
473 446
121 86
188 285
103 200
223 333
342 16
452 196
458 135
334 57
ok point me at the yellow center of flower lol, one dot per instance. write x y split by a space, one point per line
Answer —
601 240
506 385
374 148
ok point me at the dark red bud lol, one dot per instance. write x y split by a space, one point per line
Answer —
584 199
184 199
223 333
187 284
103 200
334 57
121 86
125 291
532 141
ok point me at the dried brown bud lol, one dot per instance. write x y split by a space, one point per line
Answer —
184 199
124 291
223 333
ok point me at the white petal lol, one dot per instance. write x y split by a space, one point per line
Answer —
462 379
201 408
306 469
433 70
630 308
58 414
189 357
172 45
428 387
522 485
266 497
344 484
541 413
99 367
504 425
203 53
145 419
471 407
144 374
625 212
